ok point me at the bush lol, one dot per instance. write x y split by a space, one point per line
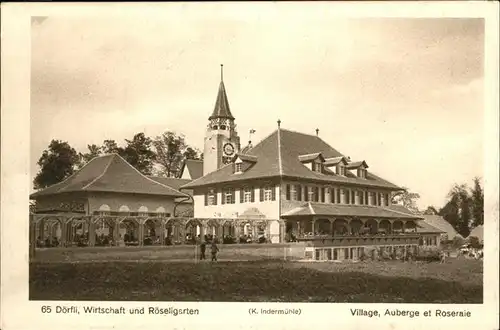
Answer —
428 255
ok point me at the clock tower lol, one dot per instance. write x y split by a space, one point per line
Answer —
221 139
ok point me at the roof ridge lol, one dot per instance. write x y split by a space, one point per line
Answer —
261 141
103 172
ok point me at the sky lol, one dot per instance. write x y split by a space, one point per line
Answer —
403 94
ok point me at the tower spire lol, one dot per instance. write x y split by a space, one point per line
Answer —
222 72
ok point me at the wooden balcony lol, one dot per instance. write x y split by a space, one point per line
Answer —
359 240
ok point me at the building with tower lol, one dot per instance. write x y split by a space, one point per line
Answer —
221 139
295 187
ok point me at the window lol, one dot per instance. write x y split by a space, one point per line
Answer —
310 194
361 197
332 195
306 194
211 197
362 172
293 193
237 168
299 192
344 196
316 194
316 166
247 195
386 199
268 193
228 197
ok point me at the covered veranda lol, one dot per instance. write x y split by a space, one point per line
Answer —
64 230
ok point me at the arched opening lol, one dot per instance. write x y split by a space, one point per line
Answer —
228 233
193 231
129 232
371 227
411 226
397 227
104 232
356 227
152 232
340 227
142 211
124 209
385 227
104 208
49 232
322 227
173 232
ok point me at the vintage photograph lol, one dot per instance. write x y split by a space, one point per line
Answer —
230 160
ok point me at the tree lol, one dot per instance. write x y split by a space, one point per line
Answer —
56 164
457 210
138 153
93 151
171 150
431 210
110 146
477 201
407 198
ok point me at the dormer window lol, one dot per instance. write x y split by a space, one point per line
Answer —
362 173
237 168
340 169
317 166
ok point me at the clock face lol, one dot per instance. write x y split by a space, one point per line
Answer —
228 149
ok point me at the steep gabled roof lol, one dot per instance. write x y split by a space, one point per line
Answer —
109 173
278 155
194 168
221 109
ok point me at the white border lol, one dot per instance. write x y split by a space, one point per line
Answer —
18 313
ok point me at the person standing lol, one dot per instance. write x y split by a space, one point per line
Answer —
202 250
215 249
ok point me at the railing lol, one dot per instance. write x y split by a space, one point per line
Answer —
359 240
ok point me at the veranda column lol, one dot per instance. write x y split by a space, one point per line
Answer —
41 230
313 221
236 226
282 231
64 234
116 231
141 232
203 229
403 226
332 223
162 232
91 232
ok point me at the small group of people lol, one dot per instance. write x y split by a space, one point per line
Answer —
213 248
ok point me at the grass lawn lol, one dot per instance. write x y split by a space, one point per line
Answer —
457 281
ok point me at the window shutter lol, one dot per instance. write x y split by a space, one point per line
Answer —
253 194
386 199
322 194
233 197
332 195
367 201
215 197
261 193
287 192
347 195
223 196
316 194
242 193
299 192
313 166
306 194
273 192
206 198
353 197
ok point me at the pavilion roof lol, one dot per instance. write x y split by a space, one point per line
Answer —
310 209
109 173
